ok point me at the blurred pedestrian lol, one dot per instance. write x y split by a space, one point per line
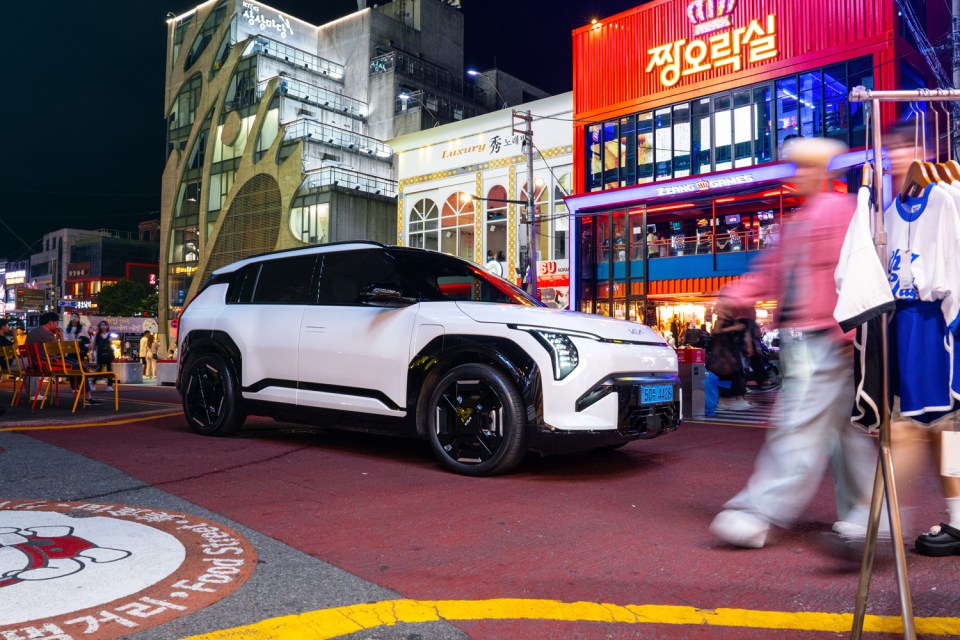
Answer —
6 333
812 415
103 350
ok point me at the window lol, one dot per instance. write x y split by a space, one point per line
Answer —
663 141
762 122
611 156
203 38
810 96
628 148
644 148
242 285
594 159
788 114
496 227
681 140
457 226
541 207
701 143
310 223
722 133
286 281
344 276
561 219
424 225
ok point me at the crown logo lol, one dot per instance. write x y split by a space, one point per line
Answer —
708 16
703 185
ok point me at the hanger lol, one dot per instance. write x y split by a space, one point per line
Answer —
950 166
929 166
918 175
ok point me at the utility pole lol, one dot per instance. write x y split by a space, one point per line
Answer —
531 200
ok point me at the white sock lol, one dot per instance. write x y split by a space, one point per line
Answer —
953 508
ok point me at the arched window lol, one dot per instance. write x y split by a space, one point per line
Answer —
495 229
423 226
541 205
560 222
457 226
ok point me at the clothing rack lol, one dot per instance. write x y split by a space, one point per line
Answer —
884 485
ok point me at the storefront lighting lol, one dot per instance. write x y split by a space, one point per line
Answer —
768 194
671 207
723 200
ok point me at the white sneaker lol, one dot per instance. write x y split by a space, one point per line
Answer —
737 404
109 387
740 529
854 531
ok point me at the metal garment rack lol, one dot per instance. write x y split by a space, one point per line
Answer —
884 485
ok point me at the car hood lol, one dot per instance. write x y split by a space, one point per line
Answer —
601 326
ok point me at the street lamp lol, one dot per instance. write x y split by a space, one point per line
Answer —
405 97
474 73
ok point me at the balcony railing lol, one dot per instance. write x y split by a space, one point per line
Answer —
349 180
428 74
297 57
439 107
340 138
318 96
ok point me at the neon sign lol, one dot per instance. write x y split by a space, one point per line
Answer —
724 48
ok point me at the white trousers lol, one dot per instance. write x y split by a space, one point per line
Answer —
812 428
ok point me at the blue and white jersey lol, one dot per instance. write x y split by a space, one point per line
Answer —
923 269
923 249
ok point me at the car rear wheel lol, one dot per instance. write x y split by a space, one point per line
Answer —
210 396
475 421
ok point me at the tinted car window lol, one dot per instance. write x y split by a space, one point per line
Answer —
242 284
286 281
441 277
344 276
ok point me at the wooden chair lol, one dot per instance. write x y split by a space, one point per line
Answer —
10 367
68 355
33 364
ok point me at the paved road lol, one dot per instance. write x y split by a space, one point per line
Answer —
364 537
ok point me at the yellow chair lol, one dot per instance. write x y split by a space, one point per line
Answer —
64 358
10 367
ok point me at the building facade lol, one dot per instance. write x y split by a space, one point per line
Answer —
463 190
682 109
276 127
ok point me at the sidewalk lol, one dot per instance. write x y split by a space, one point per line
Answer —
147 398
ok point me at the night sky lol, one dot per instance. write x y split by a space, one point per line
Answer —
83 110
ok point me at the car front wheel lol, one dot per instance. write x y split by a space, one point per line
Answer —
475 421
210 396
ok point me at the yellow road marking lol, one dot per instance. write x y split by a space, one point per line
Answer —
84 425
333 623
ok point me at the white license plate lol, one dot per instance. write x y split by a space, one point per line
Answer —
653 394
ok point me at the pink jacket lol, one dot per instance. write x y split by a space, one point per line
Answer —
802 267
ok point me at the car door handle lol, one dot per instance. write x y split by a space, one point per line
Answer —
315 329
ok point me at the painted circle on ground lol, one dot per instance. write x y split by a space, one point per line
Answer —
75 569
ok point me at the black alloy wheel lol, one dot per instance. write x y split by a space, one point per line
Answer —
475 421
210 396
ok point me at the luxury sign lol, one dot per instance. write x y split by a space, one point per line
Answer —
725 48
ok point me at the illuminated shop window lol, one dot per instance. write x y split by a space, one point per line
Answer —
739 128
495 230
457 226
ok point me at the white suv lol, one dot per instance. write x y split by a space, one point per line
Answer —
406 341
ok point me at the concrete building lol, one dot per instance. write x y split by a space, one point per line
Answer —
275 127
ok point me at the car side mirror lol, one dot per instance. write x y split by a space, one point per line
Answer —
384 297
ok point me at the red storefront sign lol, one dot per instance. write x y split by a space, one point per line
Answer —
705 46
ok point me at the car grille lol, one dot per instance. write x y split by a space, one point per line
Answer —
634 419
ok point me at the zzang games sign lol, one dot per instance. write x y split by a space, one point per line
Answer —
717 43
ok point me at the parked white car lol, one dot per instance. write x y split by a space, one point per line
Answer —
406 341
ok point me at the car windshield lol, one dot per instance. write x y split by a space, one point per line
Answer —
439 277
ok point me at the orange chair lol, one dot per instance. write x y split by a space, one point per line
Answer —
33 364
62 356
10 367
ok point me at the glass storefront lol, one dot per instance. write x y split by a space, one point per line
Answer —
739 128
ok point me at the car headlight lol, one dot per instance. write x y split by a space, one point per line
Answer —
563 353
